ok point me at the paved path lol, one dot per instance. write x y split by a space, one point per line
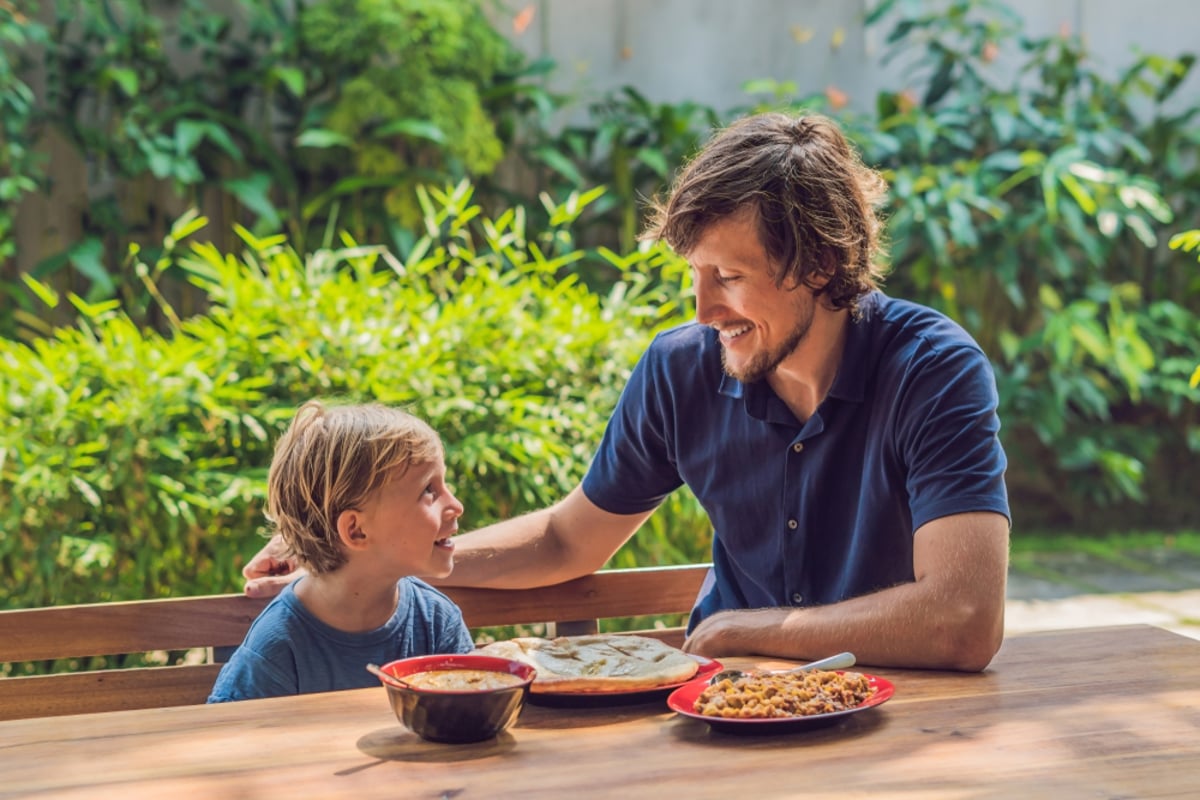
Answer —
1048 591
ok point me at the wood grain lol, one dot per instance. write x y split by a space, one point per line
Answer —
611 593
100 629
1092 713
222 620
105 690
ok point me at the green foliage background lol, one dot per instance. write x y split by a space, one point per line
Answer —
305 118
133 463
1035 207
1033 204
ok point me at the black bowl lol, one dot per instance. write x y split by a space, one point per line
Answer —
459 716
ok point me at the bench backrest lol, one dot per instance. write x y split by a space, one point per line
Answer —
221 621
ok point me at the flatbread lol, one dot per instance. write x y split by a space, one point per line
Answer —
597 663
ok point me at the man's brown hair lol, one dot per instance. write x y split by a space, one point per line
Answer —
813 199
331 459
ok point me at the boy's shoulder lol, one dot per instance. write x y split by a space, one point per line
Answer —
276 623
416 592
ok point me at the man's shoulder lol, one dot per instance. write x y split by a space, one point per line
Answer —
683 362
684 346
904 322
686 336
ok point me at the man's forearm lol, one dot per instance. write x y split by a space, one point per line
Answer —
904 626
513 554
950 617
569 539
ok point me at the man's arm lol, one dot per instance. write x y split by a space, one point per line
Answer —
571 538
950 617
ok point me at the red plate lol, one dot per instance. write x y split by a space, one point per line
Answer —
683 701
615 697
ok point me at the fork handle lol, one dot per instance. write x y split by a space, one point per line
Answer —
840 661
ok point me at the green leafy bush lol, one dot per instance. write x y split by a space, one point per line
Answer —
1189 241
1029 195
412 106
1031 192
20 168
307 118
628 144
132 464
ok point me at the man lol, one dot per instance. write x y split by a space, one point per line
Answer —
844 444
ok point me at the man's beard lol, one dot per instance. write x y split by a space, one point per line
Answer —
762 364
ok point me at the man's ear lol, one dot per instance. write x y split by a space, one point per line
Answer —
349 527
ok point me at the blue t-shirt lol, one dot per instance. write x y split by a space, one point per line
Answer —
289 651
813 513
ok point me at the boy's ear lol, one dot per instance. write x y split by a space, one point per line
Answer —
349 527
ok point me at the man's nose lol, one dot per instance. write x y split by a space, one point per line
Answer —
705 303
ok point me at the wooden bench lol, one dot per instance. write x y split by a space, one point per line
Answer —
221 621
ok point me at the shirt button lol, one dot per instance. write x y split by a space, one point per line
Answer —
797 447
793 524
797 598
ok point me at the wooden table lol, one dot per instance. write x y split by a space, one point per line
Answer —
1095 713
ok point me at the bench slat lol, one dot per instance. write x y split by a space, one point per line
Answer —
105 690
611 593
222 621
102 629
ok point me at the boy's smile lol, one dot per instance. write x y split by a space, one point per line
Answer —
411 519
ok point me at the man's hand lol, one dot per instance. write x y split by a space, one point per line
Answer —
950 617
271 569
720 635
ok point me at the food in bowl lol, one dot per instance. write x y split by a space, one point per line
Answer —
466 712
462 680
767 696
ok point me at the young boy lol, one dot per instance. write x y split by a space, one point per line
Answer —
358 493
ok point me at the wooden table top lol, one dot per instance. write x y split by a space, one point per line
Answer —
1090 713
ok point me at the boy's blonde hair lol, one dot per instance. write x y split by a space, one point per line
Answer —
330 460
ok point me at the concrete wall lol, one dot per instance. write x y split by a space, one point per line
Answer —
704 50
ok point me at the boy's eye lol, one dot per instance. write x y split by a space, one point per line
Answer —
430 490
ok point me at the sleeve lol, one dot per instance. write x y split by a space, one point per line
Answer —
634 468
948 437
453 635
447 631
249 675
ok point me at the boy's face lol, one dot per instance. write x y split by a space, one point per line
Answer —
410 519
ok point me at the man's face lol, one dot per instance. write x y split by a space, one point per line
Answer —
760 324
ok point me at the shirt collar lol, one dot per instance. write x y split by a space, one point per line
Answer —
850 383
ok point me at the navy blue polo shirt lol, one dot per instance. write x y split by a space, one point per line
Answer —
813 513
